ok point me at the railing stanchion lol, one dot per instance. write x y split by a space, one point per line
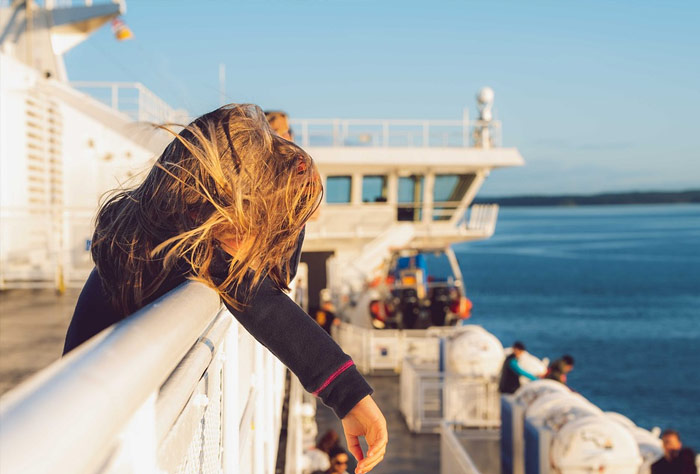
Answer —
231 410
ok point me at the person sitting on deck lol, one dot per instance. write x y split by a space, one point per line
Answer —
225 204
318 458
677 459
560 368
339 462
511 371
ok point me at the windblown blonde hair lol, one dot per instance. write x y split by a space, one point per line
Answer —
226 174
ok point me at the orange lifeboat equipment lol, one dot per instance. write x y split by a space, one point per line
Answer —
464 308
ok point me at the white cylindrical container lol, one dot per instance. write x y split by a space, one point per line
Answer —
594 444
527 394
649 444
474 352
552 406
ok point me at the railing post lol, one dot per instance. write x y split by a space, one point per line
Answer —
258 412
305 133
336 132
115 96
385 133
426 133
465 127
231 408
139 103
344 131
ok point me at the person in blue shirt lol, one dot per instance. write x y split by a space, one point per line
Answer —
511 371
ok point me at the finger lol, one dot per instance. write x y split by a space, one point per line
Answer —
377 443
375 454
366 466
354 447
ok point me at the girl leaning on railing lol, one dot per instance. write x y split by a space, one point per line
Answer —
226 204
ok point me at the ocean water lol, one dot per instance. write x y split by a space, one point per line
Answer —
617 287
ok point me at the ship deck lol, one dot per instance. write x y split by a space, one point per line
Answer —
33 325
406 452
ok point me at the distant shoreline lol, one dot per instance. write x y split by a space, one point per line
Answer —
604 199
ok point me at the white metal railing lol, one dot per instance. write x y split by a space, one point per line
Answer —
453 458
133 99
483 217
390 133
370 220
176 387
420 399
51 4
468 451
428 396
472 402
382 350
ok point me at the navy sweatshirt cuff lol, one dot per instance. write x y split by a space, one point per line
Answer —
345 391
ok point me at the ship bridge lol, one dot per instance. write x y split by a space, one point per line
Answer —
383 173
396 183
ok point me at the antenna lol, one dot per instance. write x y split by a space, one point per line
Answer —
485 101
222 84
482 132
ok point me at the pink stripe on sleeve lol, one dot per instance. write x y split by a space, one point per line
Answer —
333 376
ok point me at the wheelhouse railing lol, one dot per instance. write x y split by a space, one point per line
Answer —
51 4
370 220
175 387
391 133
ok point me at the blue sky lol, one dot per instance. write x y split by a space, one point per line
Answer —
597 95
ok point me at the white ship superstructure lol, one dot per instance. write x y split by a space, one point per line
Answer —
396 183
62 148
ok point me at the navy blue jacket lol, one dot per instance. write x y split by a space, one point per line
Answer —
271 317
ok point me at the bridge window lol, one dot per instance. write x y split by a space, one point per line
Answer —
448 191
374 189
410 198
338 189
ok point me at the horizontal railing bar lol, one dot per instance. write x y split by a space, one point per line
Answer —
413 122
178 388
113 374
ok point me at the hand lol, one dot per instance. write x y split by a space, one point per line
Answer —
365 419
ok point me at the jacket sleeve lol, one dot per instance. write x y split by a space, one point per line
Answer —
279 324
519 370
294 338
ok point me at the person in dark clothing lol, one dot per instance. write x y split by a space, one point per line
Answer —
559 369
677 459
225 204
511 371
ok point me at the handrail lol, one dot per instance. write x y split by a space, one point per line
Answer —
85 399
133 99
337 132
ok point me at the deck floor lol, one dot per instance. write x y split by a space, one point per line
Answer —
33 325
406 452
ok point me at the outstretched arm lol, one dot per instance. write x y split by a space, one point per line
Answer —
520 371
323 368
